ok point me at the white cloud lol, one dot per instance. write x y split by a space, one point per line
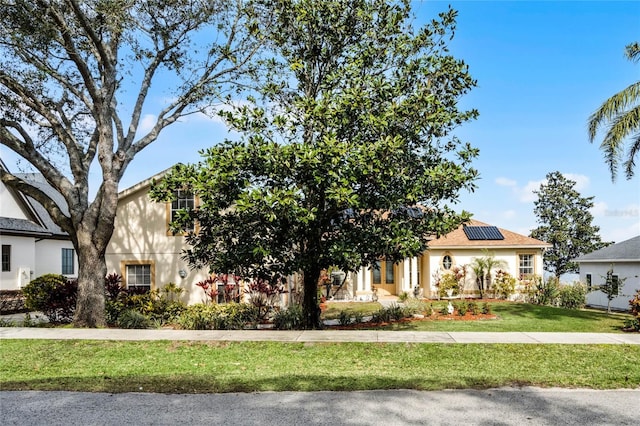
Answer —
147 123
582 181
599 209
502 181
526 194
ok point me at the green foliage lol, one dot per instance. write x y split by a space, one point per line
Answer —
633 324
291 318
422 307
572 296
565 221
474 308
544 293
53 295
344 318
619 114
611 286
390 313
504 284
133 319
482 267
346 156
358 317
446 282
230 316
486 308
462 308
402 297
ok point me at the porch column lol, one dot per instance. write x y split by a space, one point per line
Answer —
414 273
406 274
366 273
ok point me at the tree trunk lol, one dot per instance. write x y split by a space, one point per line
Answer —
310 307
92 269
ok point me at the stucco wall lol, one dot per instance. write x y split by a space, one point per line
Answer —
23 262
140 234
598 272
49 257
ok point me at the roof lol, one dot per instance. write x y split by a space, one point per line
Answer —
142 185
41 224
625 251
460 239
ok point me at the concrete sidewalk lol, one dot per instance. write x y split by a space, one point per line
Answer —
320 336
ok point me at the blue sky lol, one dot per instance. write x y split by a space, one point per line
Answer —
542 68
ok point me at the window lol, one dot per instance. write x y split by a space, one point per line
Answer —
615 282
6 258
389 275
447 262
589 285
68 267
138 277
525 265
183 201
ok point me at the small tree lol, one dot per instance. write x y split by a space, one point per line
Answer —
482 267
611 287
565 223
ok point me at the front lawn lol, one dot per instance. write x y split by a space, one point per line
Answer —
202 367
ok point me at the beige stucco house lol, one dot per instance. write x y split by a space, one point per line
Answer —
146 254
521 255
143 251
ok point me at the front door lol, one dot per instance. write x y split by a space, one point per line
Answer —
384 278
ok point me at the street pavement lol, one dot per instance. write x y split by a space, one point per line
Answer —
503 406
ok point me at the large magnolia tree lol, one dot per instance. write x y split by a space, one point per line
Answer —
565 222
75 79
347 156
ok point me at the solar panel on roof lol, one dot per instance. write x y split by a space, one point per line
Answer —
475 233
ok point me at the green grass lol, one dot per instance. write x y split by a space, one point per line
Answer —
202 367
527 317
365 308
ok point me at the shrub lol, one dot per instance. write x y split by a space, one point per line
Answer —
264 295
344 318
486 308
230 316
633 324
54 295
416 306
474 308
133 319
504 284
289 319
113 286
545 293
402 297
358 317
462 308
448 281
572 296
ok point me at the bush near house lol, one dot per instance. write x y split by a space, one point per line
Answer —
54 295
633 324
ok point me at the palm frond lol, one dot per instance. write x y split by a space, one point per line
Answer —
613 107
634 149
622 125
632 51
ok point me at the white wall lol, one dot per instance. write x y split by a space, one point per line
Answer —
598 271
49 257
23 262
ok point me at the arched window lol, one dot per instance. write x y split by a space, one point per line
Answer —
447 262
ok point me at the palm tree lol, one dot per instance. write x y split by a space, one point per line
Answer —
482 267
622 113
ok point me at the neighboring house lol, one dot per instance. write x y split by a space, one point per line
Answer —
143 250
32 245
521 255
624 259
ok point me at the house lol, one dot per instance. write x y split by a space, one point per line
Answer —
146 254
32 245
624 259
143 250
521 256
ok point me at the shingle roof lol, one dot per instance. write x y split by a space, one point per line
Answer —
38 181
459 239
624 251
13 226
